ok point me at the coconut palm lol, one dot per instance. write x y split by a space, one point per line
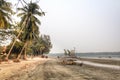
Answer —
31 27
29 23
5 13
46 44
41 45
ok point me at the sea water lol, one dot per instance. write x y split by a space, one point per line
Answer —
94 54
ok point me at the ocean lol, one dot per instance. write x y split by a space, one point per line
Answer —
94 54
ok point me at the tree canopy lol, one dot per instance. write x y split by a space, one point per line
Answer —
25 35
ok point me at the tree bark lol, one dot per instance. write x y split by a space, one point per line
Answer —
25 54
21 51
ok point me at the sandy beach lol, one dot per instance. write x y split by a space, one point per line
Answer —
52 69
59 39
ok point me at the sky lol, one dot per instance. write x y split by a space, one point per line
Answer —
87 25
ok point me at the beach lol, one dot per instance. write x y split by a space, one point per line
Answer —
110 61
52 69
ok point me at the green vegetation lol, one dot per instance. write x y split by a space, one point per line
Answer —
25 35
5 14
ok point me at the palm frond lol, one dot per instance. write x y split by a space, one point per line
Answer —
23 19
21 14
36 20
22 9
38 13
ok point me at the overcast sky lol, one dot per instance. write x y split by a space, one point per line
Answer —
87 25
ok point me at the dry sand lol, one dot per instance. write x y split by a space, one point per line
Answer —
51 69
8 69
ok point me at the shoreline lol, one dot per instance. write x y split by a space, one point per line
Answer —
109 61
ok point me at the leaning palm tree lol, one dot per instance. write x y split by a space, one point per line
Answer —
29 22
5 13
31 27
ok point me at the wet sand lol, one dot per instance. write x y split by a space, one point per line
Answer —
103 61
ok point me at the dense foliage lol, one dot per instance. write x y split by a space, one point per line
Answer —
24 35
5 14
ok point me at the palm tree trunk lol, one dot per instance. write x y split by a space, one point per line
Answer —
25 54
6 58
26 23
21 51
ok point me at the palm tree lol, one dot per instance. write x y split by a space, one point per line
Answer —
5 13
41 45
29 23
31 27
19 33
45 44
18 57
